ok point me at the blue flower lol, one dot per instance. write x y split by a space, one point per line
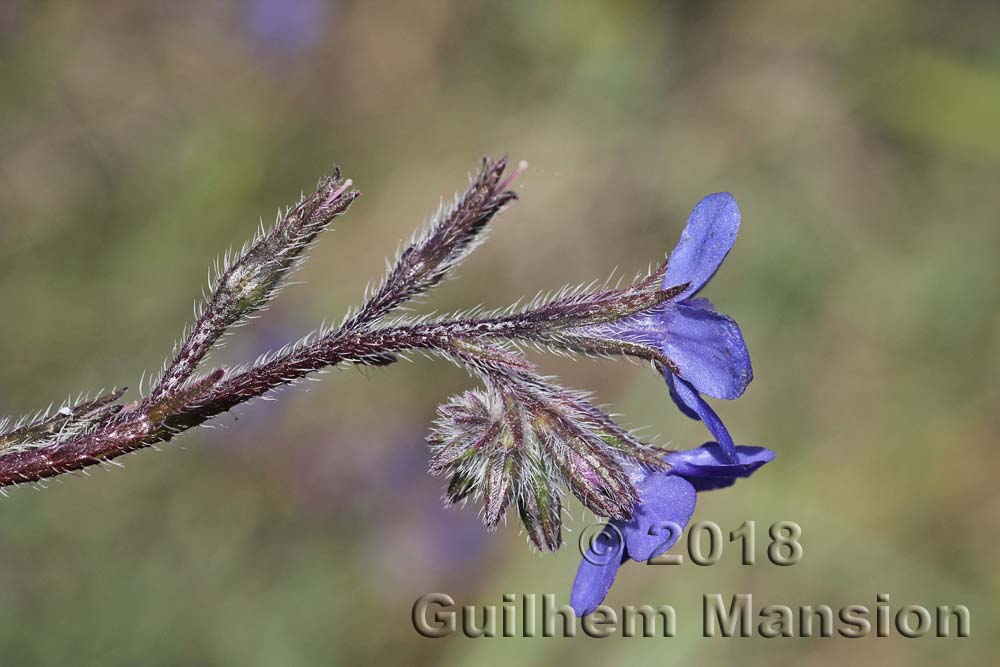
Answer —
706 349
657 522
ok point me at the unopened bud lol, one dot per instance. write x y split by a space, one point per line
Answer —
522 443
540 508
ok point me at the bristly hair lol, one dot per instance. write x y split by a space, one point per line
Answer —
247 282
521 441
451 235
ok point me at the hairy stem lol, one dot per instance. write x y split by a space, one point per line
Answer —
451 235
97 432
145 426
251 280
141 428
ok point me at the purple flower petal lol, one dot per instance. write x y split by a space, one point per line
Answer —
686 397
678 401
710 461
707 347
706 240
702 484
707 468
597 571
665 507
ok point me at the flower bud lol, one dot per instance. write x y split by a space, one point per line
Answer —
540 508
591 469
499 486
520 441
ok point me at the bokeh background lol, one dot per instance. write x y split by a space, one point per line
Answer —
139 140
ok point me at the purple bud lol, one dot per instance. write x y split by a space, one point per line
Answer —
594 474
540 508
499 487
521 440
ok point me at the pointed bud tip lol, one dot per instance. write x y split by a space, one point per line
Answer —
521 166
339 191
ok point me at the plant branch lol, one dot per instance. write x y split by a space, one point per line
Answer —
247 283
97 432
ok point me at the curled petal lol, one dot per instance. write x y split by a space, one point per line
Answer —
702 484
707 347
707 467
687 397
597 571
709 461
678 401
706 240
667 503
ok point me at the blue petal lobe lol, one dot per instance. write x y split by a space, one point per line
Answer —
702 484
707 467
710 461
693 401
707 347
597 571
665 507
675 397
706 240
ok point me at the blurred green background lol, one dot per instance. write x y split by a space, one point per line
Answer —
139 140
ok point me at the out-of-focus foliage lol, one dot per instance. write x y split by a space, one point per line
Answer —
140 139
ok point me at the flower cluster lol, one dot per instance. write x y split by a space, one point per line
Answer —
522 440
705 349
707 355
668 501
